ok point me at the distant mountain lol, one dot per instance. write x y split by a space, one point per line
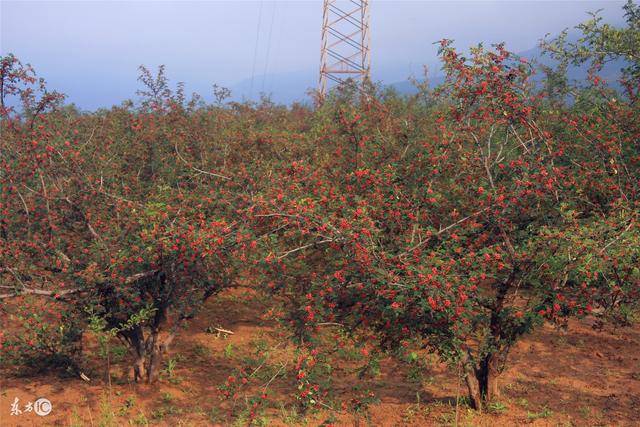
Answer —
610 73
288 87
285 88
407 87
282 88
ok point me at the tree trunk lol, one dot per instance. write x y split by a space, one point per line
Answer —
473 388
136 337
482 382
488 378
491 389
155 361
139 371
488 371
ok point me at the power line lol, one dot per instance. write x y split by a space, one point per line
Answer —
255 50
278 45
266 60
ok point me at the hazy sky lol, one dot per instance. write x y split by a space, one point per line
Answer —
91 49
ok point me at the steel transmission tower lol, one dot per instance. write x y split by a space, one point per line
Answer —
344 52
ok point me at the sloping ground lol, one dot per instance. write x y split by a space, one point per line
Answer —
581 377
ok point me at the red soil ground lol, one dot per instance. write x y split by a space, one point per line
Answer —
578 377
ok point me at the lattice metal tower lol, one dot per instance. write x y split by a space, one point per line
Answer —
344 52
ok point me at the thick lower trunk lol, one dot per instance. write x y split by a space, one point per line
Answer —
482 382
473 388
488 370
159 350
146 363
136 338
154 364
139 371
490 383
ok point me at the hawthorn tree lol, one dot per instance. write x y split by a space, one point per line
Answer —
459 230
114 215
600 43
601 130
